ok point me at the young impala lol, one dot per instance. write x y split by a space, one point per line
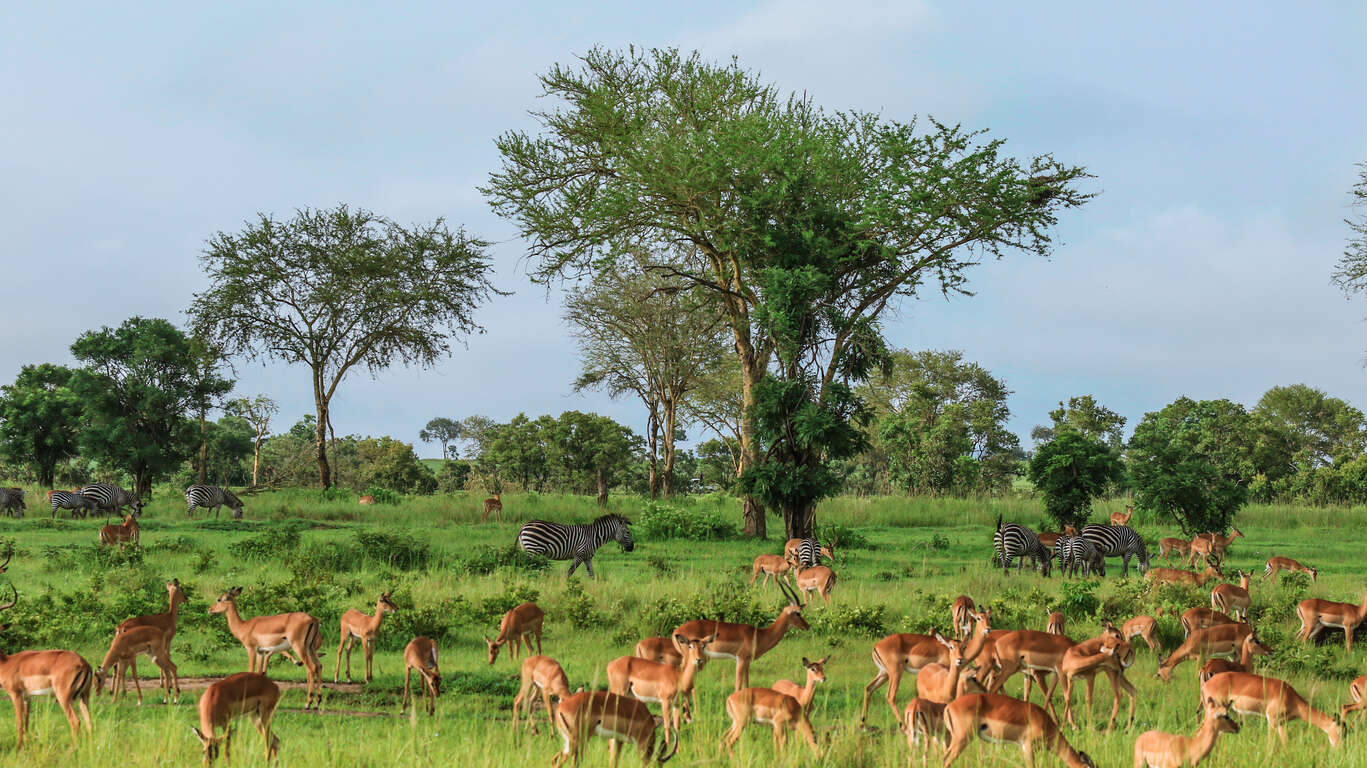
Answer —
1250 694
1212 545
166 622
818 579
421 654
652 681
1156 749
923 721
1123 518
545 675
743 642
1220 640
123 655
616 718
1142 626
1277 564
263 635
776 566
1110 653
1176 576
360 626
118 534
1170 546
816 673
898 654
245 693
495 506
997 718
1316 614
1233 600
63 674
783 712
1250 647
517 626
1357 691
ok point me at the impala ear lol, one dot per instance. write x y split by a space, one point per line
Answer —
806 663
823 661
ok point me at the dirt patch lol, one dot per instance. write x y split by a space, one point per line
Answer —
153 685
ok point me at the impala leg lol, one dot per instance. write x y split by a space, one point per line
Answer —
343 645
743 673
550 712
538 641
64 701
369 656
1028 748
894 678
407 683
613 748
20 717
878 681
957 744
137 684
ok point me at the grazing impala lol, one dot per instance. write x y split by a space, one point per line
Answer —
1050 539
123 655
1142 626
1272 698
1247 650
1233 600
494 505
245 693
783 712
998 718
1276 564
421 654
743 642
770 565
1220 640
360 626
600 713
1212 545
544 675
264 635
1201 617
1156 749
63 674
652 681
1357 691
1176 576
659 649
517 627
1316 614
1056 624
1036 653
818 579
898 654
166 622
118 534
1170 546
1123 518
962 613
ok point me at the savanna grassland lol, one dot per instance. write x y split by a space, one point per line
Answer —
900 563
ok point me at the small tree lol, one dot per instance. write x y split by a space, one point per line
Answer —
1071 470
1192 462
441 430
1084 415
40 419
257 412
594 451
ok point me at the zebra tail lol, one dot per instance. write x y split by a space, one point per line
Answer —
999 521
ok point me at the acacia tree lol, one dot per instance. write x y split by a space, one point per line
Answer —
257 412
1351 272
647 151
441 430
40 419
340 288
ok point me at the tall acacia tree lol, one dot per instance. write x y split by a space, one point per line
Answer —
339 288
257 412
653 150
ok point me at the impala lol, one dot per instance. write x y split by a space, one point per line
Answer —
998 718
924 720
766 705
544 675
940 682
1357 691
1123 518
1056 623
1110 653
263 635
1176 576
1050 539
517 627
494 505
245 693
1211 545
1233 600
1220 640
118 534
1156 749
743 642
652 681
898 654
818 579
1274 699
1037 653
1142 626
816 673
1316 614
1170 546
770 565
421 654
616 718
1276 564
63 674
166 622
963 612
123 655
792 550
659 649
1201 617
360 626
1250 647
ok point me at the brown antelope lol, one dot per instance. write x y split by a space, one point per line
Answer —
1316 614
544 675
998 718
1212 545
118 534
264 635
1142 626
652 681
1056 624
924 721
616 718
245 693
1277 564
1274 699
517 627
1232 600
1357 691
494 505
659 649
1170 546
123 655
1220 640
792 550
1176 576
421 654
1247 650
360 626
743 642
818 579
962 613
166 622
1050 539
940 682
1201 617
1036 653
1156 749
1123 518
816 673
1110 653
898 654
366 499
770 565
63 674
783 712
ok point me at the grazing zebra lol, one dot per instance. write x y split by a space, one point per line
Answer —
12 501
211 496
1012 541
1078 556
111 499
74 501
574 542
1119 541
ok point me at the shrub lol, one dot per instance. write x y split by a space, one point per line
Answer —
860 620
1078 600
382 495
491 609
844 536
486 560
267 545
662 521
396 550
660 565
582 610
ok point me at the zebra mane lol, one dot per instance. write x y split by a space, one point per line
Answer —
611 517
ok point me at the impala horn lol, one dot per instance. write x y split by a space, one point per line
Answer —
9 554
13 602
789 593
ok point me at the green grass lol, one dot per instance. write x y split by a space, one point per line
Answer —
452 577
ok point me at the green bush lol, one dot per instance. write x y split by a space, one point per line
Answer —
1078 600
844 537
858 620
662 521
267 546
395 550
486 560
382 495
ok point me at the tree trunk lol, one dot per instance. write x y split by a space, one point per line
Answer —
652 481
203 448
602 489
256 459
670 408
332 447
751 373
142 483
320 438
47 475
800 522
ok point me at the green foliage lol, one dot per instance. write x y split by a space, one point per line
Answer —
453 476
1191 463
1078 600
664 521
1085 416
40 418
395 550
843 621
441 430
382 495
487 560
1071 470
391 464
267 546
844 536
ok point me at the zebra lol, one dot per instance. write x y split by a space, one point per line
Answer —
12 501
574 542
111 499
1078 556
807 553
1012 541
211 496
1119 541
74 501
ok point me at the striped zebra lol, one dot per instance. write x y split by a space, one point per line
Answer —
1119 541
808 552
12 501
1013 541
74 501
111 499
211 496
574 542
1079 557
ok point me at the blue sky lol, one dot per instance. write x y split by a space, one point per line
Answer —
1223 137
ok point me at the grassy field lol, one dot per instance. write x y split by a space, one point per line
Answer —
900 564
